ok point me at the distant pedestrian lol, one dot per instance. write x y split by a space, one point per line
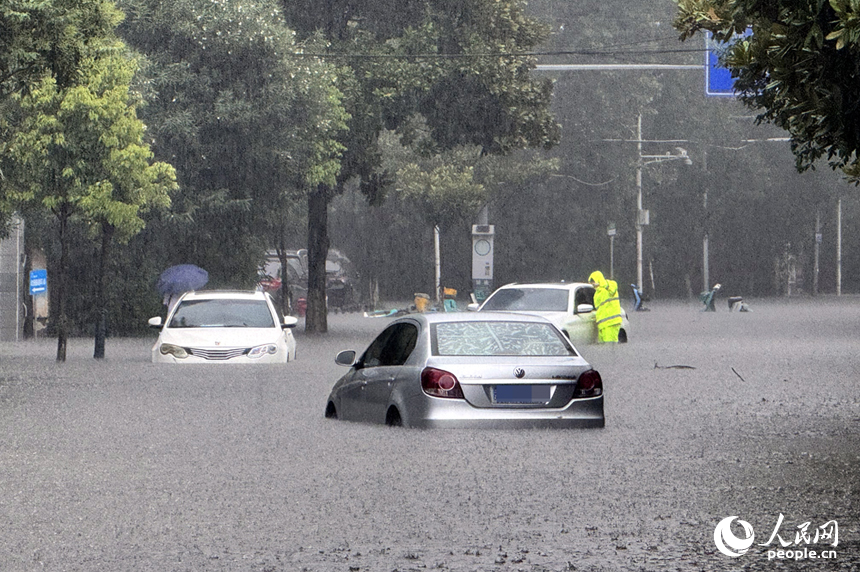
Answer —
170 300
607 306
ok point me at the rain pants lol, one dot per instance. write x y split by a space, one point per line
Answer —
608 307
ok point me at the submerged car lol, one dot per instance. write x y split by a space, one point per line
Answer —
570 306
224 327
469 370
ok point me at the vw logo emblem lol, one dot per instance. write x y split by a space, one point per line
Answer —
520 372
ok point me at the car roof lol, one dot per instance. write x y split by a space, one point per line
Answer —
224 295
447 317
548 285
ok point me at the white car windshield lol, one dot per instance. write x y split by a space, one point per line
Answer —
528 299
222 313
498 339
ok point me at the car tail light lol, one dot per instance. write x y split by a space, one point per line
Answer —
589 384
439 383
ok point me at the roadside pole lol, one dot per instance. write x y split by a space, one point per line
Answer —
839 247
611 231
817 253
438 264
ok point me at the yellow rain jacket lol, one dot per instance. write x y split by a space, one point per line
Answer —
608 306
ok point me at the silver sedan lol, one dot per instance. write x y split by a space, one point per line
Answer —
469 370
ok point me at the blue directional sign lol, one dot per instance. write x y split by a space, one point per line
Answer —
38 281
718 80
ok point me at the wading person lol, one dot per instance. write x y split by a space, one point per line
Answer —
607 306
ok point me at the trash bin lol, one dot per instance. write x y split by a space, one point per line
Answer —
737 304
421 301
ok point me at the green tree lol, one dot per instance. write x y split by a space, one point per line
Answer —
455 63
799 67
248 126
81 155
50 35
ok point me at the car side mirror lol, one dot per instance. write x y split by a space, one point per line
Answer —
289 322
345 358
473 307
155 322
584 308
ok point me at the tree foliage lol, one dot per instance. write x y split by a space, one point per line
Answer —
248 125
52 36
457 64
800 67
79 153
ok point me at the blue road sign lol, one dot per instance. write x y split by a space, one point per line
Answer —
38 281
718 80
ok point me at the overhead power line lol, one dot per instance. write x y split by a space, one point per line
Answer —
615 67
589 52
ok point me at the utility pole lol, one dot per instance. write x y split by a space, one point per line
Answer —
438 256
639 282
643 216
817 249
839 247
706 279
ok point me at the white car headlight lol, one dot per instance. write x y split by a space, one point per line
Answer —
260 351
175 351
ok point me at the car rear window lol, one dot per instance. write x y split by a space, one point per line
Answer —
528 299
222 313
498 339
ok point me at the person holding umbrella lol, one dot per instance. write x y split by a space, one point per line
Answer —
177 280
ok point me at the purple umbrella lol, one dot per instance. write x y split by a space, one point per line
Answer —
182 278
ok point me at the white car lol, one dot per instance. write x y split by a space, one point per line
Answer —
568 305
224 327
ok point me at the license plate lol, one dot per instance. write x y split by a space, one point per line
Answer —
521 393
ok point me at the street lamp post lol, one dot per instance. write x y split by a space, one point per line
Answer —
642 216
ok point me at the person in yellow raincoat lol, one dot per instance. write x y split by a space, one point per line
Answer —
607 306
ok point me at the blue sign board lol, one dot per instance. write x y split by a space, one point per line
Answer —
718 80
38 281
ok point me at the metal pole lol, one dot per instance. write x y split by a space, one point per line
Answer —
438 264
706 270
19 274
484 215
839 247
612 257
817 249
639 282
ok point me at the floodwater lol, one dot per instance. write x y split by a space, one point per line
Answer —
125 465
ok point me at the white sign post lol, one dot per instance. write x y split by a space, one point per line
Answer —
482 260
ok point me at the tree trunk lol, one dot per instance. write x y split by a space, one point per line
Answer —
62 323
316 318
30 307
286 293
101 298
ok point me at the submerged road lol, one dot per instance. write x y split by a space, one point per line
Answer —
128 466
